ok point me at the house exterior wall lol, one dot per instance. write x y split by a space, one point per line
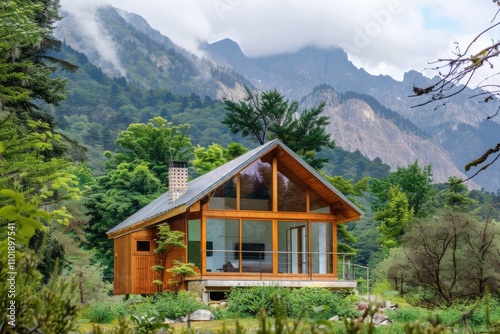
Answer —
134 257
122 280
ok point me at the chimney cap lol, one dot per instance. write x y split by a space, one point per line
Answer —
178 164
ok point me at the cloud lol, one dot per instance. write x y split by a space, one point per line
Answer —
95 40
379 35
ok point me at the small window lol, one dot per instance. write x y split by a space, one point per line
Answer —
143 246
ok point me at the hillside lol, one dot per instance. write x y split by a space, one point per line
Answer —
123 44
358 123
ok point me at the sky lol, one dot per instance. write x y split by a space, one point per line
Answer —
382 36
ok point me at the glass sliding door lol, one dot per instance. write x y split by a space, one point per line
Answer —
222 236
321 248
293 246
256 246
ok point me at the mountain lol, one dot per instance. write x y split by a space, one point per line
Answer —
460 126
359 123
123 44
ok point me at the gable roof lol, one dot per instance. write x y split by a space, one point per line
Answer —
206 183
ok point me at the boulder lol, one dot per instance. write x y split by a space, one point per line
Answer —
380 320
201 315
335 318
181 319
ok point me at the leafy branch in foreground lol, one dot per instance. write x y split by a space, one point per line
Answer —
456 74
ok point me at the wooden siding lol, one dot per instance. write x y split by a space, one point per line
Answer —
122 279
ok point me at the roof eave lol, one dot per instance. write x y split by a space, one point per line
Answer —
148 222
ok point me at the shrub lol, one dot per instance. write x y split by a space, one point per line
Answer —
101 313
315 303
408 314
248 302
308 302
172 306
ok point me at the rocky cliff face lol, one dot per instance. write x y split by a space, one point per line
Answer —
356 126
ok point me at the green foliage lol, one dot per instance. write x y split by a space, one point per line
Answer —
180 271
351 190
248 302
395 218
456 196
414 182
32 161
216 155
168 239
101 313
154 144
19 219
317 303
146 323
172 306
51 308
114 198
268 115
313 303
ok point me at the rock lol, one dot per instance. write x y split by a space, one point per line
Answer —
181 319
335 318
201 315
380 319
168 321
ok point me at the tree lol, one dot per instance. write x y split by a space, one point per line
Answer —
48 308
452 258
456 196
155 144
414 182
456 74
216 155
168 240
268 115
394 218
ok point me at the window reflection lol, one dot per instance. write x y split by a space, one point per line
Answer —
256 187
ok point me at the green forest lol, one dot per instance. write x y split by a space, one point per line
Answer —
80 152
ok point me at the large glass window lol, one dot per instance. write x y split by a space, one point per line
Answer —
224 197
291 191
292 247
222 234
256 187
193 246
318 204
321 248
256 246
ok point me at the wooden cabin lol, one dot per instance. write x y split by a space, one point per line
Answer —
264 218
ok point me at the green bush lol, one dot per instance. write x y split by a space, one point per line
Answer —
172 306
314 303
408 314
101 313
248 302
318 303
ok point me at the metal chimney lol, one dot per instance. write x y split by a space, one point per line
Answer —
177 180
